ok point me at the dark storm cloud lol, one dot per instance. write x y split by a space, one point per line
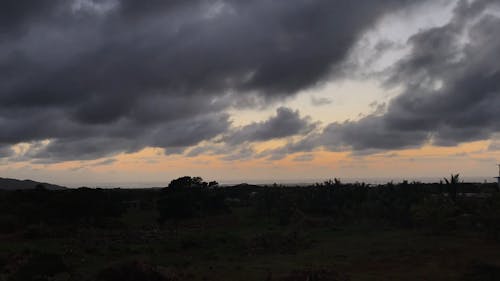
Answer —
5 151
15 15
285 123
237 143
99 77
173 136
369 133
188 132
133 9
452 94
83 149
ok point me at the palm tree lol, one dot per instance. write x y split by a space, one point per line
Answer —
452 184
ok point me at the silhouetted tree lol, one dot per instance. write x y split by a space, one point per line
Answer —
187 182
188 197
452 184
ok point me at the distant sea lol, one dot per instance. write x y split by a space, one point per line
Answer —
283 182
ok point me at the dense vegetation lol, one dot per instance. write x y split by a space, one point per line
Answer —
194 230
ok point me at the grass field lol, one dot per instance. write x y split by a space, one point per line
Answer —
240 247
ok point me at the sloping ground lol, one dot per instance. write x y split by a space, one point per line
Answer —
13 184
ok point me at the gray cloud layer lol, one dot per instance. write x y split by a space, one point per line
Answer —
286 123
100 77
5 151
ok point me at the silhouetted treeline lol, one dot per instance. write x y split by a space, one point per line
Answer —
439 206
83 206
403 205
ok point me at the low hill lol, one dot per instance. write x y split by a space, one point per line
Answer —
13 184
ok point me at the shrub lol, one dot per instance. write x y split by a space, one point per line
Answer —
438 213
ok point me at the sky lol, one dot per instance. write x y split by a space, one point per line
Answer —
136 93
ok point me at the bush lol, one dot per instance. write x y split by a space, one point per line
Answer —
438 213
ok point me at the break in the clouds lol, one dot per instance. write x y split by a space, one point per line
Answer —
94 78
451 95
452 85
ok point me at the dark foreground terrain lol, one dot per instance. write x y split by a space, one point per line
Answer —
194 230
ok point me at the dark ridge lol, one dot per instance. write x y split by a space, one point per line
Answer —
14 184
